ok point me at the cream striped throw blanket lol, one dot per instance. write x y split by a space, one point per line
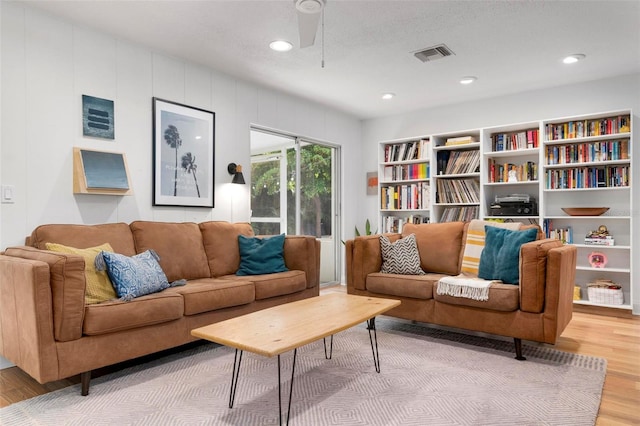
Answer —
463 286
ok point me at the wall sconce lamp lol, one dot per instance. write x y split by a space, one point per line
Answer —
236 170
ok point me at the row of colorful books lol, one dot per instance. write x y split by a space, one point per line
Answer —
514 141
395 223
406 172
525 172
588 152
406 151
588 177
586 128
414 196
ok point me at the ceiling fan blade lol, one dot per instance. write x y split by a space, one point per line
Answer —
308 27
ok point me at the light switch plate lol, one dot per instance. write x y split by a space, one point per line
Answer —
7 192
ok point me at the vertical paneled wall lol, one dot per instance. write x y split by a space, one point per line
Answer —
48 64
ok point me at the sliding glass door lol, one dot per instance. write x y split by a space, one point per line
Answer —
294 185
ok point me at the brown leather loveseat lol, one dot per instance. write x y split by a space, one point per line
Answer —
48 330
538 309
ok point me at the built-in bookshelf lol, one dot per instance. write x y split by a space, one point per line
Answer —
580 161
456 181
587 163
511 160
404 183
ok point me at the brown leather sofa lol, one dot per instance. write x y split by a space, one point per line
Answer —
48 331
538 309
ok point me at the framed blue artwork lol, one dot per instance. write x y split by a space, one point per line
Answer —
97 117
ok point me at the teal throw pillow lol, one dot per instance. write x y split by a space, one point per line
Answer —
501 255
133 276
261 255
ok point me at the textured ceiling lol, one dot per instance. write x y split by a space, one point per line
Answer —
511 46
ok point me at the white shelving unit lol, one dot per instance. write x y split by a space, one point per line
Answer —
564 151
404 187
515 146
576 165
456 184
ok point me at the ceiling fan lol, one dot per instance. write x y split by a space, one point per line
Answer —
309 13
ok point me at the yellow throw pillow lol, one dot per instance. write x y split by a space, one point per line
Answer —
99 287
474 245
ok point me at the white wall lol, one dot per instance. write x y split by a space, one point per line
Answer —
48 64
585 98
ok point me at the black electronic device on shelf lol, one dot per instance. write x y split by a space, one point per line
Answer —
514 205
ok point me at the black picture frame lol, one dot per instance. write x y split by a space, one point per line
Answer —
183 155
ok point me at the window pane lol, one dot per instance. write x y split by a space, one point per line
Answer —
315 195
265 189
262 228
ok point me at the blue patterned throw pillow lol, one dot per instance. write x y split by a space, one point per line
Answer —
400 257
261 255
134 276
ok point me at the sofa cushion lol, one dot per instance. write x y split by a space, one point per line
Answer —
220 241
208 294
439 244
502 297
117 315
414 286
501 254
401 256
272 285
134 276
474 243
261 255
179 246
98 285
118 235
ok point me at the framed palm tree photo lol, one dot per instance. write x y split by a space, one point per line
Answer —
183 155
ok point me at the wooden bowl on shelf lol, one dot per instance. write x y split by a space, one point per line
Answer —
585 211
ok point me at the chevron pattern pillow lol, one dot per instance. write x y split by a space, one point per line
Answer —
400 257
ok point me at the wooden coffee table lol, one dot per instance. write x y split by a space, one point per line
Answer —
287 327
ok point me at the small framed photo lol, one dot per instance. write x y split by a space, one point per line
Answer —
183 155
97 117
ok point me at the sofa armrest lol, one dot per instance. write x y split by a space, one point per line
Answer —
302 253
26 317
533 273
66 284
561 278
364 257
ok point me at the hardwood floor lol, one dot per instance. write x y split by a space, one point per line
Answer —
615 338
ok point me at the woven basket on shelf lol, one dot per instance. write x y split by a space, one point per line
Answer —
605 292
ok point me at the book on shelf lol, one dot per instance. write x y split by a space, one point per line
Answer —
499 173
514 141
412 171
563 234
459 214
464 191
411 196
612 150
461 162
407 151
394 224
599 241
460 140
589 127
588 177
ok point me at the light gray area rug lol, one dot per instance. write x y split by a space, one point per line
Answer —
428 377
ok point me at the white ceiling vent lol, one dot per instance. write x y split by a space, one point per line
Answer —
433 53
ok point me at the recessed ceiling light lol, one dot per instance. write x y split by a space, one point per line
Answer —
572 59
387 96
281 46
468 79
